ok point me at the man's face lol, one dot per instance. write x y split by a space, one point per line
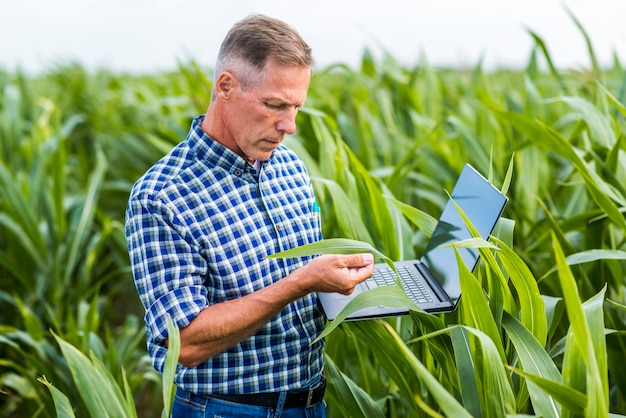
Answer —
256 121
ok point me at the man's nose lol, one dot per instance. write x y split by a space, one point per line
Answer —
287 120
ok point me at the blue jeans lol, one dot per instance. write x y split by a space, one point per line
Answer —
189 405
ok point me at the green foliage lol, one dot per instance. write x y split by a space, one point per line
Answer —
542 323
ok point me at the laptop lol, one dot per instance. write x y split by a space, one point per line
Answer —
433 281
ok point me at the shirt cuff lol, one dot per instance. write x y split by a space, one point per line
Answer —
182 304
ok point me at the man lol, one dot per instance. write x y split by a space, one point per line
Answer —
201 222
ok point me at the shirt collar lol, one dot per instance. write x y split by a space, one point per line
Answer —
207 148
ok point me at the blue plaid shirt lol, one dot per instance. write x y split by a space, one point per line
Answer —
199 225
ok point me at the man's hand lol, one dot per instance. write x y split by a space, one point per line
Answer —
335 273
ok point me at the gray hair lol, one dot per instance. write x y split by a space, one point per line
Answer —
253 41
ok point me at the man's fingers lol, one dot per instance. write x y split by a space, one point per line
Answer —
368 259
362 267
360 260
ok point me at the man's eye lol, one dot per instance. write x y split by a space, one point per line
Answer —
275 106
280 107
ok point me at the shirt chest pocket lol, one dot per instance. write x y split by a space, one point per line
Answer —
300 230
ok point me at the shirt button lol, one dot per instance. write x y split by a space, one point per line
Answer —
278 228
237 173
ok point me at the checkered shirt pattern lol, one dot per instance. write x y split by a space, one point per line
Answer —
199 225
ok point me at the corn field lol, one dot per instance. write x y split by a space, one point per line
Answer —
541 328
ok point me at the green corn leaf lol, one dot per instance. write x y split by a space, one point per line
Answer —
595 255
406 371
80 228
580 353
531 304
594 315
547 137
616 305
98 388
507 178
422 220
594 60
62 405
497 394
28 246
389 296
535 360
333 246
467 371
349 221
112 394
590 256
614 100
377 208
574 401
598 122
472 140
555 308
171 364
19 383
128 396
553 70
31 322
475 313
349 398
21 212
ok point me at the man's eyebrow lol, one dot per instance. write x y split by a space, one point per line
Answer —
279 101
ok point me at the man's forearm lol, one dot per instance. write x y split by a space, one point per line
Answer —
221 326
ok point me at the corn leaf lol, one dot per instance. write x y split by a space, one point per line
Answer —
467 371
552 140
62 405
98 388
348 219
498 397
349 398
476 312
17 207
614 100
422 220
531 304
580 353
595 255
535 360
406 371
332 246
597 122
572 400
389 296
111 392
171 364
80 227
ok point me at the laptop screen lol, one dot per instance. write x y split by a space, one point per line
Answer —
482 204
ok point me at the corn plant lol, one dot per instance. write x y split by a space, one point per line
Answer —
540 329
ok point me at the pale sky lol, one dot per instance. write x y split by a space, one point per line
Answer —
152 35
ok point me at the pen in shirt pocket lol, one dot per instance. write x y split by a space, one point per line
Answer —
316 215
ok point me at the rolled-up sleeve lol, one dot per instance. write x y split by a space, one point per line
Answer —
168 270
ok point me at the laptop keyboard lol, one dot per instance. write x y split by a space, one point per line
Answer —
384 276
413 286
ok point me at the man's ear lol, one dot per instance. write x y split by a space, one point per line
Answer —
224 85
